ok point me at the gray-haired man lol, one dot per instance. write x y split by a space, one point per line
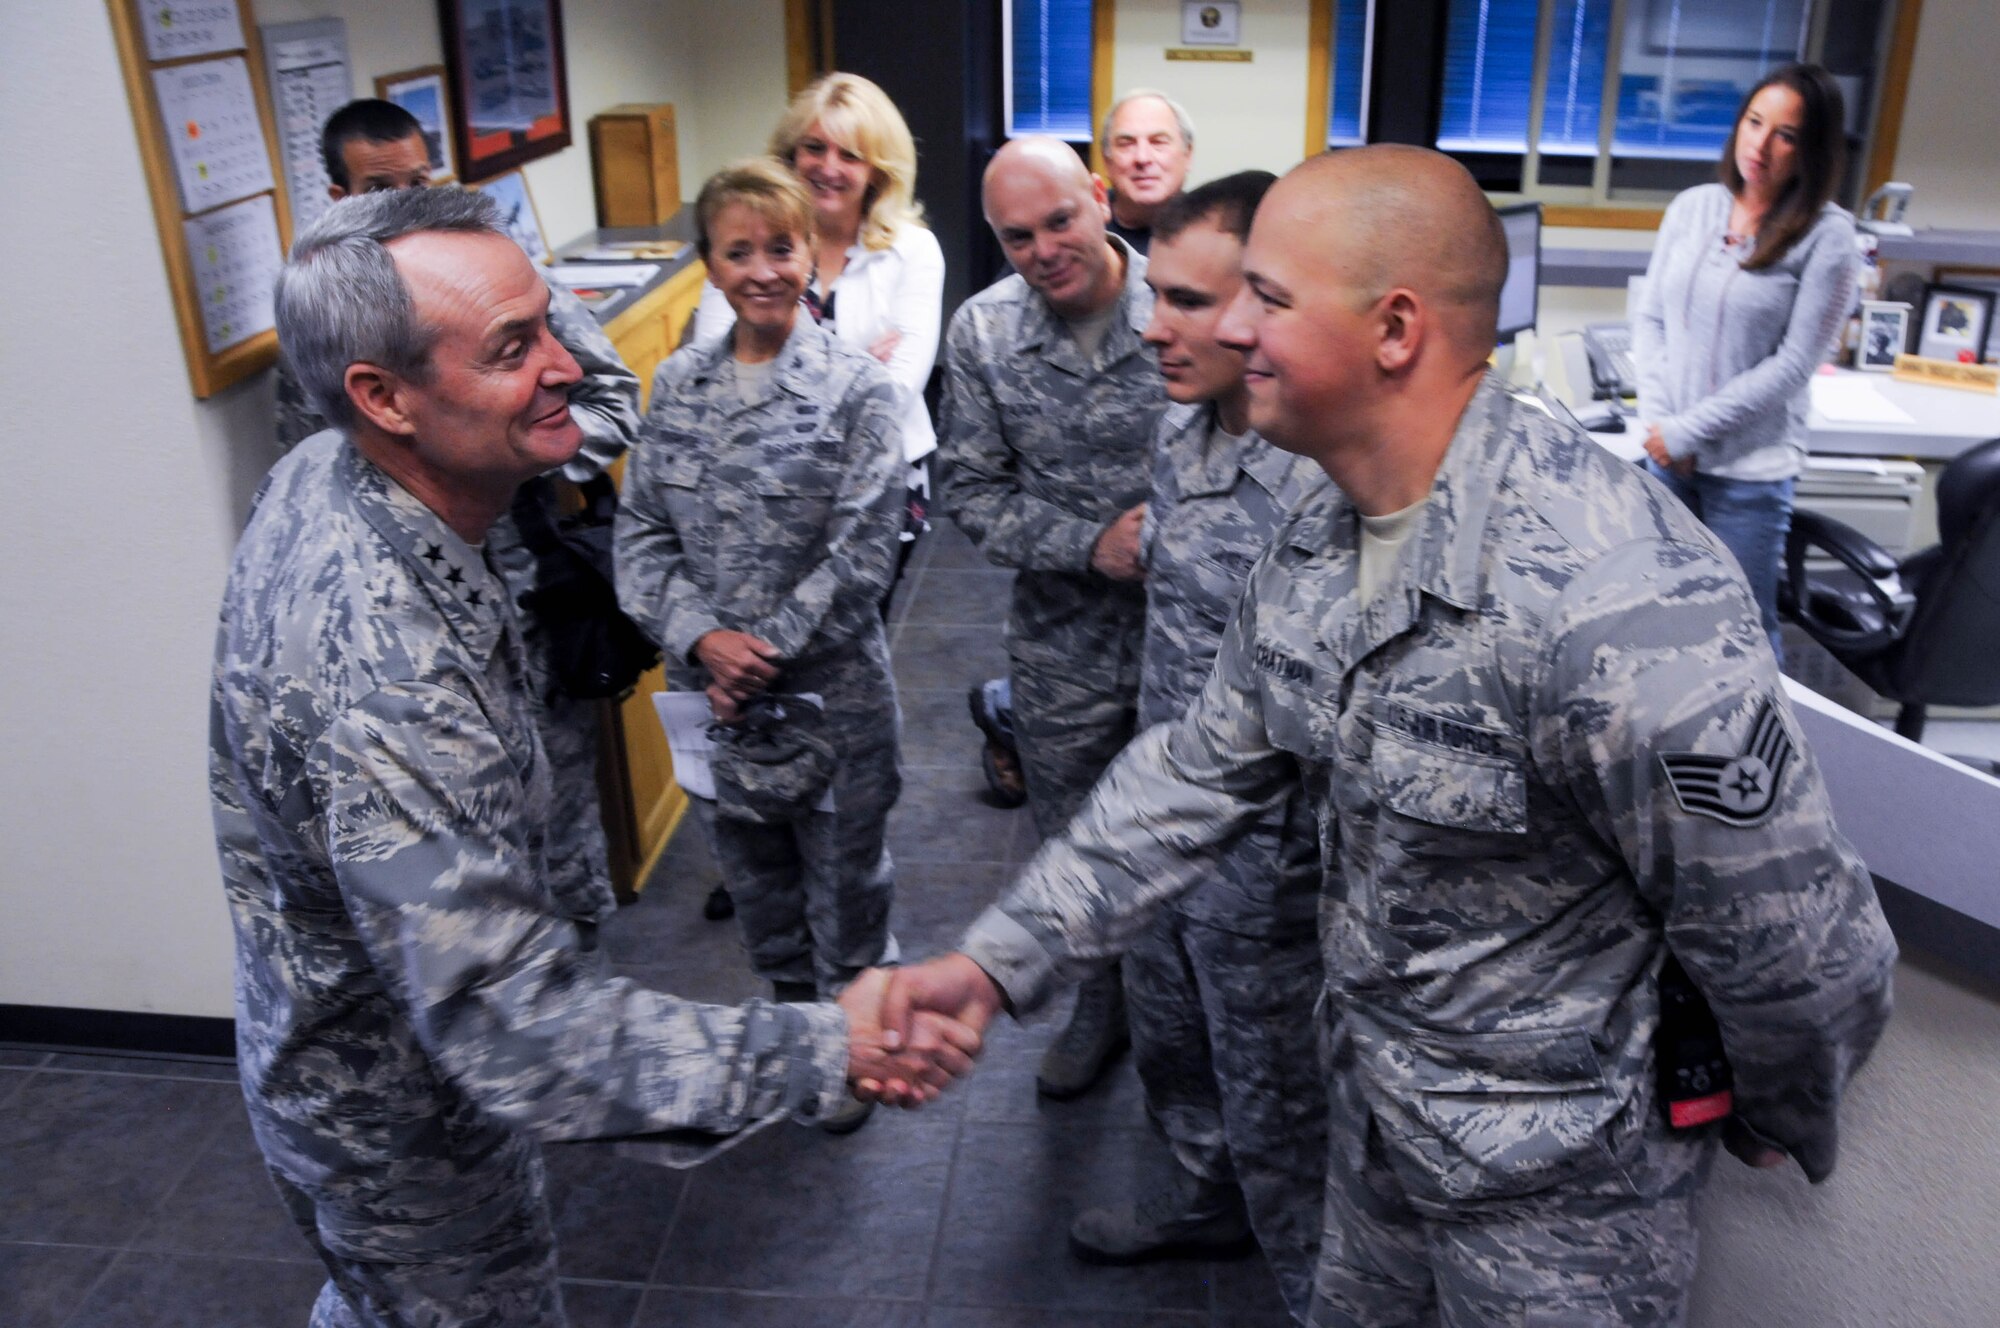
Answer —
1148 144
373 146
412 1007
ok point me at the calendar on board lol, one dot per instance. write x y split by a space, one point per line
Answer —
208 144
236 254
310 80
178 28
220 152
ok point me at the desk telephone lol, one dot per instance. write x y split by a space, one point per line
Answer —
1609 346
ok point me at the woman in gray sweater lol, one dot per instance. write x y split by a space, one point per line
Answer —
1750 282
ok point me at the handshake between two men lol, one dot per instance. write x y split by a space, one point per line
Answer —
912 1031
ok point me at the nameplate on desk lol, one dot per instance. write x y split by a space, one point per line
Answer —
1227 56
1948 373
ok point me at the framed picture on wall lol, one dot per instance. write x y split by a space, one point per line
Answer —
422 93
1211 22
1954 323
1885 331
510 97
517 213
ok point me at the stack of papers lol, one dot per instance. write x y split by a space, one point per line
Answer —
603 276
1844 400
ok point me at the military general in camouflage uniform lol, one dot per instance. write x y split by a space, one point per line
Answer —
1221 989
756 542
412 1006
1046 426
370 146
1547 745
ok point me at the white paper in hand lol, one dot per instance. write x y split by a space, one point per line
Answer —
686 717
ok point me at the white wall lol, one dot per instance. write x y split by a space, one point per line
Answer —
1948 149
128 493
736 58
1246 116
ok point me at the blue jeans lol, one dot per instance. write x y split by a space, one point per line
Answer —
1751 518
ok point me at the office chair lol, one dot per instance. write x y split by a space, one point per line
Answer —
1922 632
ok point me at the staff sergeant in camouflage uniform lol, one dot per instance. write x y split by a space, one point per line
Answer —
1046 426
1547 744
370 146
412 1007
1220 990
756 541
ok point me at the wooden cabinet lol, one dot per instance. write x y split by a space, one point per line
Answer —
642 803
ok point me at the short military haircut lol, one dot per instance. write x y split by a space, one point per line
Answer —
1228 204
341 301
371 120
767 187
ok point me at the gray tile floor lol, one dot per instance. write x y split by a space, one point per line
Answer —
131 1195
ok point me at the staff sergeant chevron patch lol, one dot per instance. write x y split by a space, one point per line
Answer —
1736 790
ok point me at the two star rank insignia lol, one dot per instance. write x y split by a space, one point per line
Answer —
1740 789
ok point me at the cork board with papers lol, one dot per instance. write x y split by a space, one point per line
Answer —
208 143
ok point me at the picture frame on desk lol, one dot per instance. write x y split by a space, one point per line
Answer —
510 91
1885 332
1955 320
425 94
1979 279
518 216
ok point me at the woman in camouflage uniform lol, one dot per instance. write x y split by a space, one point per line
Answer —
756 541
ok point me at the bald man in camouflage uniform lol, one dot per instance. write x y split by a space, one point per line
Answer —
413 1009
1221 990
1551 747
1050 398
606 406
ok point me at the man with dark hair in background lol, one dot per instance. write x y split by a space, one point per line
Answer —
371 146
1220 989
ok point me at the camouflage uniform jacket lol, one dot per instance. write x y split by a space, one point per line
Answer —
778 517
1211 512
605 403
406 995
1553 745
1041 451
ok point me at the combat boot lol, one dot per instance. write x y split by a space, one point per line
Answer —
1095 1035
1188 1218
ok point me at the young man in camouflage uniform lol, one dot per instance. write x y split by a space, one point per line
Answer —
1046 428
1537 716
1220 990
371 146
413 1008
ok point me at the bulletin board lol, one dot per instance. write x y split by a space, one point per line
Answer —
208 141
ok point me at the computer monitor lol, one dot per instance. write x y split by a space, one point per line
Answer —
1519 305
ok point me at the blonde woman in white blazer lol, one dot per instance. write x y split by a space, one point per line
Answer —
880 274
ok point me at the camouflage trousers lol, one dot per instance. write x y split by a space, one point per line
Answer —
812 897
1224 1035
1068 725
1615 1246
579 872
508 1280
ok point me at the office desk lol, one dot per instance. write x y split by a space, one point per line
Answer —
1943 421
